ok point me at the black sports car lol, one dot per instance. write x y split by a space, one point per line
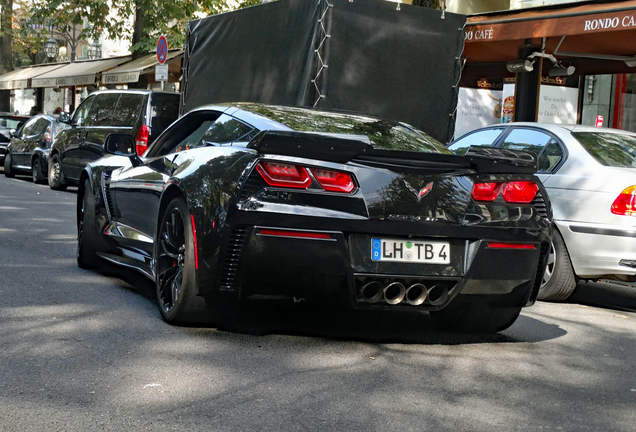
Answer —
251 200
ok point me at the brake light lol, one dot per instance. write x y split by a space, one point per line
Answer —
196 248
141 140
486 191
334 181
520 192
284 175
625 203
295 234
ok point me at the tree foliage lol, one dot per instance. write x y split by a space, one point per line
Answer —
138 21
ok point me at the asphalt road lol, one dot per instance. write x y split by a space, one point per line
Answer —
88 351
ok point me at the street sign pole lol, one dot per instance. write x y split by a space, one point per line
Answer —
161 70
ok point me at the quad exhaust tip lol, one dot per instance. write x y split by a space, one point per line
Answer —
416 294
394 293
372 292
437 295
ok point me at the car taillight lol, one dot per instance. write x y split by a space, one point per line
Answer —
486 191
284 175
520 192
334 181
625 203
141 140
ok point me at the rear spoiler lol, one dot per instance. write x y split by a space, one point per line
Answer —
343 148
340 148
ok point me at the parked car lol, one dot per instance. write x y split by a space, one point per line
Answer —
255 200
142 114
9 124
590 176
28 151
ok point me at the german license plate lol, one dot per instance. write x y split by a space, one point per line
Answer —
414 251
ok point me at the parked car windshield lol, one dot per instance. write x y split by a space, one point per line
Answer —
609 149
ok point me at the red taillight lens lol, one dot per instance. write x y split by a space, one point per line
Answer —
625 204
334 181
284 175
521 192
486 191
141 140
495 245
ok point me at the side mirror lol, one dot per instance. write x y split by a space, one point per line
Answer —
65 118
122 145
13 133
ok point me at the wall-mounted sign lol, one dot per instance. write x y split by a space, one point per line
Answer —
599 121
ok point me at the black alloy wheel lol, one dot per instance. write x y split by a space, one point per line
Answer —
175 268
36 171
8 171
56 177
88 239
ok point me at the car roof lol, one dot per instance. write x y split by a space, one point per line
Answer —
134 91
288 117
561 128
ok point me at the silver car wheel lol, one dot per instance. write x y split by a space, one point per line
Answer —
549 269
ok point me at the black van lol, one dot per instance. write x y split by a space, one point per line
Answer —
144 114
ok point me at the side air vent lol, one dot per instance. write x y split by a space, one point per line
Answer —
253 184
110 208
543 256
231 259
539 205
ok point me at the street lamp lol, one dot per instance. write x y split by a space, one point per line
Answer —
50 48
94 51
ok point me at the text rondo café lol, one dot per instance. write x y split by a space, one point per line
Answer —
589 25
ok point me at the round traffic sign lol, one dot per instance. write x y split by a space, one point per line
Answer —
162 49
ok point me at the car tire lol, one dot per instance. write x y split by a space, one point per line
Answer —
36 171
56 177
476 318
175 267
562 281
8 171
87 234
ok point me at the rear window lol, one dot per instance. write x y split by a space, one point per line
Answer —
609 149
164 109
387 135
128 109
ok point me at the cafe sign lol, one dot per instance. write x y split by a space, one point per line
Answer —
538 27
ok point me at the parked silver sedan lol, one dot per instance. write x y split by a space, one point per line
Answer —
590 176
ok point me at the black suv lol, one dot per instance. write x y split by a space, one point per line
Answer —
143 114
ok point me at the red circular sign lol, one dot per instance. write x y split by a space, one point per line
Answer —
162 49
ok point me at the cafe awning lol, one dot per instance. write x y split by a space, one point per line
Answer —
79 73
596 37
19 78
129 72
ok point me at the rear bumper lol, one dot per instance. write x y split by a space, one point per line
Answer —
596 250
338 265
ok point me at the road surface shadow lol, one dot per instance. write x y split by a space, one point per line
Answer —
266 317
619 296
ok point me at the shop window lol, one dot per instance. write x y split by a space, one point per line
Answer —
625 102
